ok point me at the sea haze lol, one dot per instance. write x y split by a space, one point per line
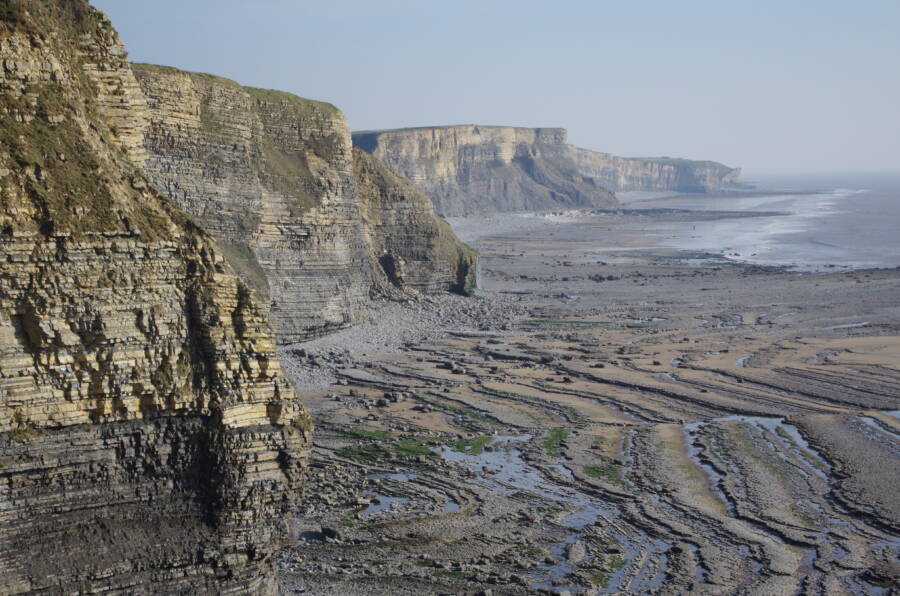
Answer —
846 222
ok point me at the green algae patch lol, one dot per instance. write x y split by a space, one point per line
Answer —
609 472
378 445
553 441
472 446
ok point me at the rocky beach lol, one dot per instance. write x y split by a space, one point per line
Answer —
246 350
656 422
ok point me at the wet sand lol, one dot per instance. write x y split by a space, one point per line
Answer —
636 419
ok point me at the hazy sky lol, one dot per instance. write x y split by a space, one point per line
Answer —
773 86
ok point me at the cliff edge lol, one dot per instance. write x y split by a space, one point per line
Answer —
149 441
273 177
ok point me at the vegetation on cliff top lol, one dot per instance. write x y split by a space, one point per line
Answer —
64 168
308 107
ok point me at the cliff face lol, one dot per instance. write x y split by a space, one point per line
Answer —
272 177
660 174
148 438
415 249
480 169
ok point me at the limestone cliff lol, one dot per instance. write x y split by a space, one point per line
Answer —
272 177
149 441
654 173
479 169
415 249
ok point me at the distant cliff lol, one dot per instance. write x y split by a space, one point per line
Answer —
149 441
470 169
481 169
654 173
273 177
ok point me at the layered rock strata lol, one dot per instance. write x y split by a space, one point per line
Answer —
654 173
482 169
273 177
472 169
149 441
415 251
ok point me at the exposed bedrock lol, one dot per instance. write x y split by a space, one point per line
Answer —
149 441
654 173
415 248
482 169
273 177
469 169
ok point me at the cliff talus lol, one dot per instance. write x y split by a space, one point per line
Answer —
472 169
149 441
272 176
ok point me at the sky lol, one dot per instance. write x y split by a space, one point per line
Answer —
771 86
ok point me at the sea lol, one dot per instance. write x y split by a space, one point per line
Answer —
847 221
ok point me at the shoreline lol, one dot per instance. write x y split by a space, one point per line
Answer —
734 236
628 424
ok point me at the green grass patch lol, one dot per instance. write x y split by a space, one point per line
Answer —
532 551
412 447
553 440
24 434
616 562
303 106
11 12
472 446
381 444
609 472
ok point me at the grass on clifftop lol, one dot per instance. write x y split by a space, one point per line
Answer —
309 105
270 95
137 67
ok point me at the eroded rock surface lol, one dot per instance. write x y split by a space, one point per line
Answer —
654 423
149 441
273 177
